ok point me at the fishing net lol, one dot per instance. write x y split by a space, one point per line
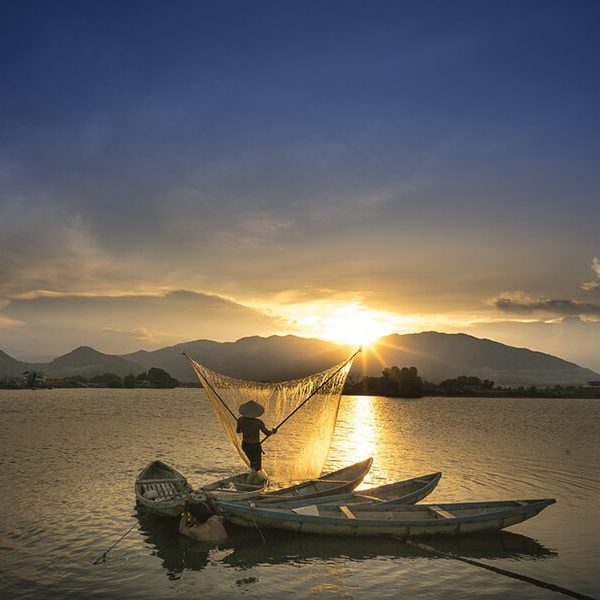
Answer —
299 449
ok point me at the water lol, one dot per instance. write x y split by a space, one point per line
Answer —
69 459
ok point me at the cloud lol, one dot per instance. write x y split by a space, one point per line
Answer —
46 249
137 333
520 303
117 324
6 322
593 285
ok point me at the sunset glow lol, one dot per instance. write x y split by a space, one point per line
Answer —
352 323
200 189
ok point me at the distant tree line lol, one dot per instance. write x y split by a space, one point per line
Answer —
406 383
394 382
153 378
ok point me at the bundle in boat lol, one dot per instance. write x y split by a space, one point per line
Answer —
161 489
408 491
336 482
402 521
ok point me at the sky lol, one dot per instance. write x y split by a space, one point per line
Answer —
184 170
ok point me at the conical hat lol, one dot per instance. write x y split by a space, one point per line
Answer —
251 409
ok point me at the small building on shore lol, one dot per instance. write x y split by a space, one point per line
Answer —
34 378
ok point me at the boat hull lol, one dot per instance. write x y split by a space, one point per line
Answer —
170 486
337 482
409 491
383 525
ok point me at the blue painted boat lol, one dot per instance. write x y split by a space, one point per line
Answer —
400 521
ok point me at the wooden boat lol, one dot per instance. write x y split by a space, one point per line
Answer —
401 521
408 491
233 488
161 489
336 482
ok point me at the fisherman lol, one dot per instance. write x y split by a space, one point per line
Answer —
250 426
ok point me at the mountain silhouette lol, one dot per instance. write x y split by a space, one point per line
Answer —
437 356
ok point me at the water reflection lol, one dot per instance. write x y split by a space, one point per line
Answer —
176 552
356 432
245 549
283 547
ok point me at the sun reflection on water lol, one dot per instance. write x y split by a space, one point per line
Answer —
357 433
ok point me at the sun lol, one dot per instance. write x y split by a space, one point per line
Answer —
353 324
342 321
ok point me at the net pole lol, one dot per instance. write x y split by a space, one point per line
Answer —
314 392
205 382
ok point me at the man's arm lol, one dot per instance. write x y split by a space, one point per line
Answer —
264 429
238 428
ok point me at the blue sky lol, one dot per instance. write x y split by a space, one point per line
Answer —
437 163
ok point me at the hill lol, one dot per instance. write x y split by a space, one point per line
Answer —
269 359
440 356
11 367
87 362
437 356
83 361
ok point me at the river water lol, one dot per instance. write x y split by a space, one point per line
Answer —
69 459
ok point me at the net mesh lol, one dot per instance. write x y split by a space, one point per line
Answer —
300 447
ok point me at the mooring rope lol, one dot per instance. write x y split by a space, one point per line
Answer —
102 557
256 525
540 583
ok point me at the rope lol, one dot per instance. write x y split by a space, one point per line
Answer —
102 557
256 524
511 574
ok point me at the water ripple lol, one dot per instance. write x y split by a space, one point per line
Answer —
69 458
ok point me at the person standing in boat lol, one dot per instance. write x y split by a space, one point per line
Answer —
250 426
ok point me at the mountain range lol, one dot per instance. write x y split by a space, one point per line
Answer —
437 356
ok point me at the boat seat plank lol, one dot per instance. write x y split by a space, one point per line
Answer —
371 498
347 512
438 510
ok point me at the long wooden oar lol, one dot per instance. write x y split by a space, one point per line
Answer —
540 583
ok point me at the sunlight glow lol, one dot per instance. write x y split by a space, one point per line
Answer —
346 319
352 323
